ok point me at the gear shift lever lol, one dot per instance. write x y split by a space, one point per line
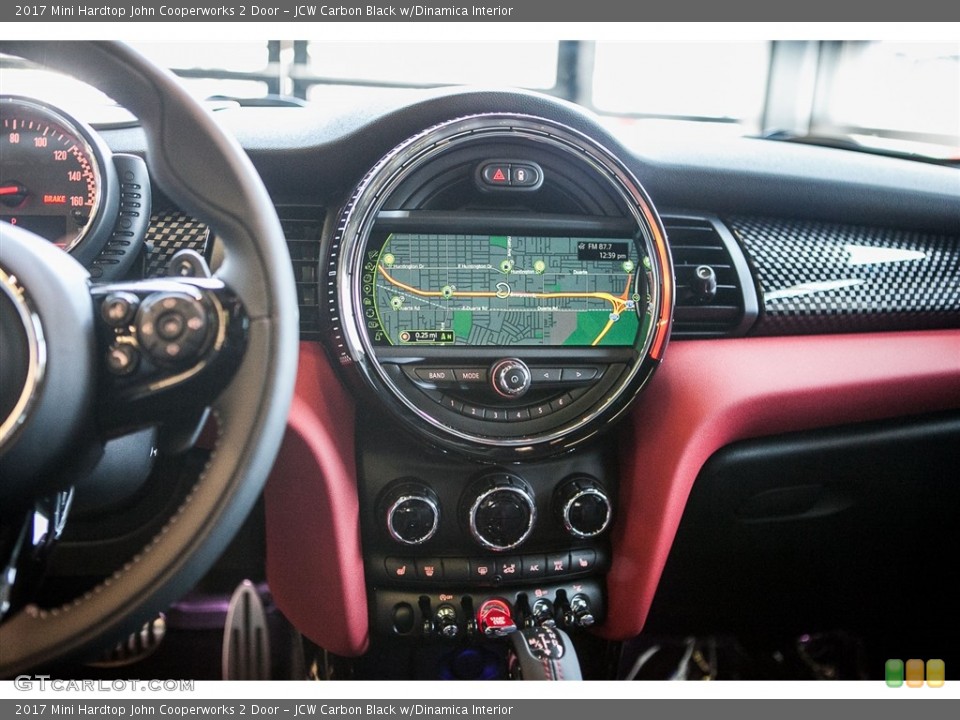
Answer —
543 653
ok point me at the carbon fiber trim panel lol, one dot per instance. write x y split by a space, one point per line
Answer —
170 230
820 277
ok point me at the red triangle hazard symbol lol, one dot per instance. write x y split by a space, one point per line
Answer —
498 176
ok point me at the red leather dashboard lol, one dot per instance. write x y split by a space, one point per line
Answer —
706 395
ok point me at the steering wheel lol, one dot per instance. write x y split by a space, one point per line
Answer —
61 401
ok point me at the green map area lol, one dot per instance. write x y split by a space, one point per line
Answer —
500 290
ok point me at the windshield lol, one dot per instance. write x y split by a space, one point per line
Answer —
890 97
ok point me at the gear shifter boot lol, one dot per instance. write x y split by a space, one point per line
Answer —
543 653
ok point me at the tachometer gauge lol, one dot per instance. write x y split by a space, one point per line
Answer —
51 173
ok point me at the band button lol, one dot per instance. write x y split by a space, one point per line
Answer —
435 375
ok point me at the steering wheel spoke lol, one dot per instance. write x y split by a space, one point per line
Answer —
26 538
166 348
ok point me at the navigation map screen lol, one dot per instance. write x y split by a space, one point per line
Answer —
437 290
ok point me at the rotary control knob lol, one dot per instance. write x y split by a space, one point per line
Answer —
500 511
583 507
580 613
542 612
510 378
412 513
445 622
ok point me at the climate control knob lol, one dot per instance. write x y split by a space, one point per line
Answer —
583 507
500 511
412 513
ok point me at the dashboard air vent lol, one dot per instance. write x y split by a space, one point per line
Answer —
697 243
302 226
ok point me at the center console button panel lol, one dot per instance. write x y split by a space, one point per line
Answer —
445 535
455 615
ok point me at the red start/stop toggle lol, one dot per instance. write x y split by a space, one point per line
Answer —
494 618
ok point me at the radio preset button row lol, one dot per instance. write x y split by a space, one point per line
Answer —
513 414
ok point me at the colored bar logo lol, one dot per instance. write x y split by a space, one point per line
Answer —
896 671
914 673
893 672
936 673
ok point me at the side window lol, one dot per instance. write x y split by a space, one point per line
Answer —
908 91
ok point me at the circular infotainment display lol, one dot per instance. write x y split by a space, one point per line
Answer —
503 282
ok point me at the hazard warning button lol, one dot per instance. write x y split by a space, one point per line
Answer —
497 174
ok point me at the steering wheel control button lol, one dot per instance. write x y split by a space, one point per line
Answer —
122 359
118 309
511 378
172 327
494 619
188 263
412 514
583 507
502 513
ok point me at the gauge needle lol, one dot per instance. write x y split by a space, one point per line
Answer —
13 194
